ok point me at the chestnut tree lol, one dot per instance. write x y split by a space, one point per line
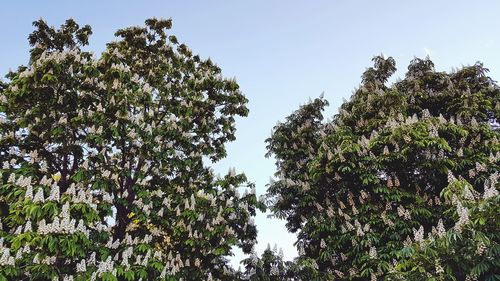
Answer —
361 187
105 160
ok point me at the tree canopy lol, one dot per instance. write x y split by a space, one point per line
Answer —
105 161
361 188
105 169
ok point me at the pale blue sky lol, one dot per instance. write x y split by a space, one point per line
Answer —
282 53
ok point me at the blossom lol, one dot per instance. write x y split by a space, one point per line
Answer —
439 269
373 252
440 228
323 244
39 196
490 191
419 235
54 193
29 193
6 258
386 150
463 217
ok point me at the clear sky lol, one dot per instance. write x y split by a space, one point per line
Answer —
282 53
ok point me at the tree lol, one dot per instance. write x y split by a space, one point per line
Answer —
360 187
104 173
270 266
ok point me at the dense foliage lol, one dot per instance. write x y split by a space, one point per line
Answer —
103 161
467 251
363 187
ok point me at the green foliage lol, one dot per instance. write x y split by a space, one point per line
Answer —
467 251
104 173
358 188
